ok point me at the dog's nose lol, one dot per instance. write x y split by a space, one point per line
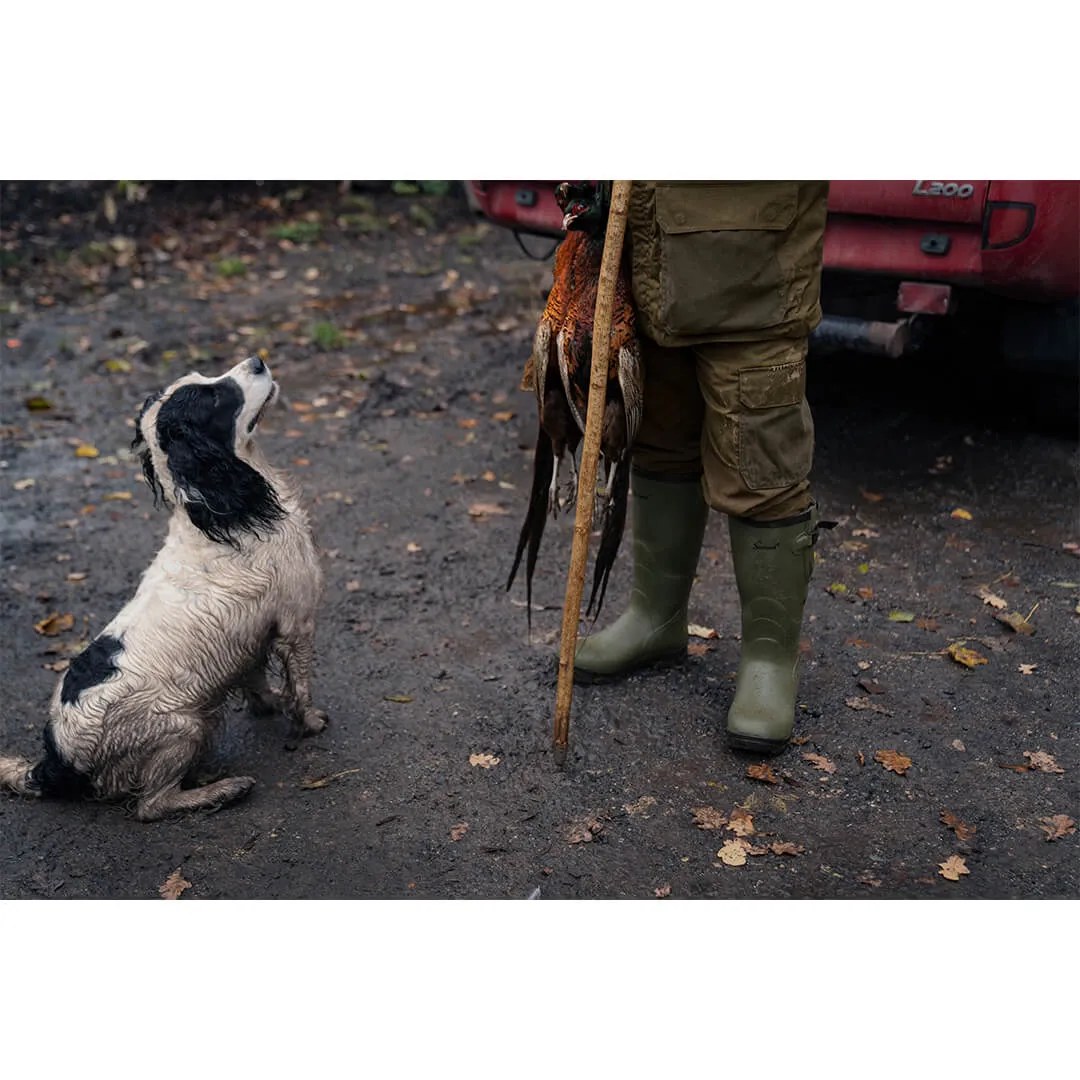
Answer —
256 365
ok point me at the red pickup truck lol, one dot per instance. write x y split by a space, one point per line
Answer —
906 260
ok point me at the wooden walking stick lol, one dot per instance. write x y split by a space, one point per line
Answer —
590 453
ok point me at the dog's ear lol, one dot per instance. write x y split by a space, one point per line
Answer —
222 495
140 446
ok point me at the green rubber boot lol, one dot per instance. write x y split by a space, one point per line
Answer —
669 524
773 562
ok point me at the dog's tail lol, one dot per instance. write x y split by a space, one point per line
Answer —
15 775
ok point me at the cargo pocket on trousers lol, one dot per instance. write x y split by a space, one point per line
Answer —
719 255
776 431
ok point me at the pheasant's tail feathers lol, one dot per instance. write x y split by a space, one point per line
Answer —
610 534
535 518
15 776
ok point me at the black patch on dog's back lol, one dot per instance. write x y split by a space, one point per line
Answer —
196 430
92 666
56 778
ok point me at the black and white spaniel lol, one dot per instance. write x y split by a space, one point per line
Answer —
235 585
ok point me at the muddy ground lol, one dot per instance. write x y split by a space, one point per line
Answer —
397 326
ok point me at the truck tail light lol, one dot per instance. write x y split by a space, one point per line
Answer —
1006 224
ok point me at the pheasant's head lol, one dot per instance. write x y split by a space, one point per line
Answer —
583 208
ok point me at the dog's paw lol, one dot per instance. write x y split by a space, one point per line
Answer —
315 720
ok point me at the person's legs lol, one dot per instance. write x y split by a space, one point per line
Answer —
668 513
757 449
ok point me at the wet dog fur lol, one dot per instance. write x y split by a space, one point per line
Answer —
234 586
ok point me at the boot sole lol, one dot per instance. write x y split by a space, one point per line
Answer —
582 677
755 744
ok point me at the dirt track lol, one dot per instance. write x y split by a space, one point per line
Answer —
398 335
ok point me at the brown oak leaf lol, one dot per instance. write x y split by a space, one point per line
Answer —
762 772
782 847
1057 826
820 761
741 823
698 648
458 831
963 831
173 886
1042 761
893 761
866 703
485 761
583 832
706 817
641 806
953 867
663 892
732 853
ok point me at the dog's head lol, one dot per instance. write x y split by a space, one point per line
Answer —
194 440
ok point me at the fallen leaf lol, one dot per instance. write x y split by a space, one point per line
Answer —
819 761
503 417
322 781
60 665
413 548
926 624
862 760
953 867
397 699
352 586
458 831
1057 826
1015 621
870 496
117 496
483 510
872 686
782 847
962 830
837 588
741 823
37 403
1015 768
866 703
956 744
639 808
868 533
901 616
114 366
468 423
990 598
584 831
968 657
706 817
1028 669
963 515
87 451
732 853
762 772
1043 762
55 624
22 485
663 892
485 761
13 342
76 577
701 631
697 648
866 593
893 761
173 886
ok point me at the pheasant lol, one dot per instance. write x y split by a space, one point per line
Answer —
559 371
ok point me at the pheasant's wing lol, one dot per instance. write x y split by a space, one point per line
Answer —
536 366
574 354
631 377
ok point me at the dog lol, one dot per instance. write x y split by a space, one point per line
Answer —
234 586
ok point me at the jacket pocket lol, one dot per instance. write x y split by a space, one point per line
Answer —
718 264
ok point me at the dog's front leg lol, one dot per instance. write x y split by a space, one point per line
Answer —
296 654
